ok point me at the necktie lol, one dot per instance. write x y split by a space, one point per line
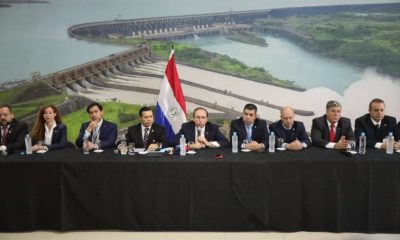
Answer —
95 134
198 134
377 126
5 131
332 133
248 131
146 137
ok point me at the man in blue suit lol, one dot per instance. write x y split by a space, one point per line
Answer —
97 129
292 132
376 125
250 128
201 132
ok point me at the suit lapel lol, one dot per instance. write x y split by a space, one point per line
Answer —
338 134
254 130
138 136
206 132
55 134
242 129
10 132
151 134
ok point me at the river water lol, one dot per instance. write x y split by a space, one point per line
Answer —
285 60
34 38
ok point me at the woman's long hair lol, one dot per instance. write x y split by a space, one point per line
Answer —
38 130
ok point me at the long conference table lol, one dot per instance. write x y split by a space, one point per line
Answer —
311 190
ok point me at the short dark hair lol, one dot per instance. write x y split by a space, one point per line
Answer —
333 103
94 104
200 108
375 100
6 106
250 106
144 109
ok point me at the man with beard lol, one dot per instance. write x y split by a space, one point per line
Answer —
13 132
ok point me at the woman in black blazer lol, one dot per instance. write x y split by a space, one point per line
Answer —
48 132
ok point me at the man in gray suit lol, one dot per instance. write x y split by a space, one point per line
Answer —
332 130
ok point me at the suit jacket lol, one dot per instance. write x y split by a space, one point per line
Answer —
298 131
59 138
156 135
320 131
15 138
108 134
259 132
398 125
211 133
374 135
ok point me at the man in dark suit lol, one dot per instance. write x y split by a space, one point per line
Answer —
13 132
147 134
292 132
376 125
250 128
332 130
97 129
201 132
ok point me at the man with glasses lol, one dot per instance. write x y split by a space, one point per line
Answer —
201 132
252 132
97 129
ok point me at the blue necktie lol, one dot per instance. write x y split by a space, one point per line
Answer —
248 130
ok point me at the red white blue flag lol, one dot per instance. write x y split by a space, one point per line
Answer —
171 106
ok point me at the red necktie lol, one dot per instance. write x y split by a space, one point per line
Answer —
5 131
332 133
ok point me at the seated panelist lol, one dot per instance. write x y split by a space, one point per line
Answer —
147 134
201 132
97 129
332 130
48 132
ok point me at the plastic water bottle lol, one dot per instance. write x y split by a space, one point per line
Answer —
363 144
28 144
390 142
182 144
271 142
234 142
124 146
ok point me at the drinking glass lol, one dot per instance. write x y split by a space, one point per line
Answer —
131 148
351 147
280 143
123 148
98 143
85 147
191 146
245 141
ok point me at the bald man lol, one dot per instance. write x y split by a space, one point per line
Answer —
293 132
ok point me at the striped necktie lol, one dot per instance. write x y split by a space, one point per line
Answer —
4 135
146 137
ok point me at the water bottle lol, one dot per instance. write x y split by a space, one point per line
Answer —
363 144
28 144
390 142
123 146
234 143
271 142
182 144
